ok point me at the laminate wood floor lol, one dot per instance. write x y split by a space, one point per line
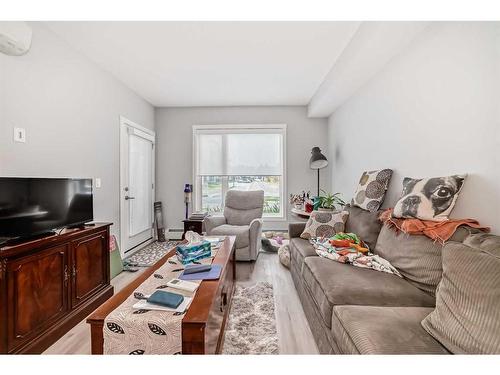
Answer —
295 337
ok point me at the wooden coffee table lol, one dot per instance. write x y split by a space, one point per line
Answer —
204 322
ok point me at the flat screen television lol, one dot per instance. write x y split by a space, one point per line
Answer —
34 206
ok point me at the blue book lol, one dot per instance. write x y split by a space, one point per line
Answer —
213 274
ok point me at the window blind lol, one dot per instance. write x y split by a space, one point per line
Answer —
239 153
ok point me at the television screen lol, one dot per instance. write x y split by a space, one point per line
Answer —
31 206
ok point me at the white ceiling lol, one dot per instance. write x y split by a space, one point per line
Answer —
213 63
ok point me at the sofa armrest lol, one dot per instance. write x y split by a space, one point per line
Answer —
256 225
255 232
296 229
212 222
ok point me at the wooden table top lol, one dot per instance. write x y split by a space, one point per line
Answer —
200 306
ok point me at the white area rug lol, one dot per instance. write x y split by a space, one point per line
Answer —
251 328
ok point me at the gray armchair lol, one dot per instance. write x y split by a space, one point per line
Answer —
243 219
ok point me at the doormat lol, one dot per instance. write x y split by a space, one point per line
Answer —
251 328
150 254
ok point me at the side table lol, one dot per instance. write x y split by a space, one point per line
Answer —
195 225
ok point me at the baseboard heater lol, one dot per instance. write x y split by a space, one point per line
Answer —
175 233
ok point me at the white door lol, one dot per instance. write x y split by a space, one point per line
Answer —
137 146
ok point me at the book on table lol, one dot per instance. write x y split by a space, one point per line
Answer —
145 305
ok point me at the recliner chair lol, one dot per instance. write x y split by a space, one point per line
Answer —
242 218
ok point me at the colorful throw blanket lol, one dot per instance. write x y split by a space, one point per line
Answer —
353 254
436 230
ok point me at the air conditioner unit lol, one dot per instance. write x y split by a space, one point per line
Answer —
15 38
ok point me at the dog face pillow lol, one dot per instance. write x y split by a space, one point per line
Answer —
428 198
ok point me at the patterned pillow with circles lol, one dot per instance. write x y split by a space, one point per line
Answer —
371 189
324 224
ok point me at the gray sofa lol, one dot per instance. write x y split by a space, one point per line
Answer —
243 219
360 311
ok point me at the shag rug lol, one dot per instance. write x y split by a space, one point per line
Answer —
150 254
251 328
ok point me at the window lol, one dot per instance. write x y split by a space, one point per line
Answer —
249 157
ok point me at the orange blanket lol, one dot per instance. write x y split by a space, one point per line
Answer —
437 230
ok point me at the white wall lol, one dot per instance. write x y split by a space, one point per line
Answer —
433 111
174 149
70 109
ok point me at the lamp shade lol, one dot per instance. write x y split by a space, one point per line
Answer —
318 160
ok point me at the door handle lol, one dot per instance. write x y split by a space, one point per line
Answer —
127 198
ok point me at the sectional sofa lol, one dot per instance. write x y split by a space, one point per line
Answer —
361 311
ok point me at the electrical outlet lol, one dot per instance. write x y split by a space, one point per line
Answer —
97 182
20 135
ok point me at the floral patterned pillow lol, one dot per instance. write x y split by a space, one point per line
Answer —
371 189
324 224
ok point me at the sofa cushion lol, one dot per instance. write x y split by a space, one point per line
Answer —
363 223
241 207
331 283
416 257
242 233
299 250
324 224
383 330
467 314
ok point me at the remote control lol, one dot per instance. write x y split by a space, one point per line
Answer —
182 285
189 269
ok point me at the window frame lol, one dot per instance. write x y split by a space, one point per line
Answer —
244 128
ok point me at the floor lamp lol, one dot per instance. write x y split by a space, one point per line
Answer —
318 161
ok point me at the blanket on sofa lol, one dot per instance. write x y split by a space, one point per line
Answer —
436 230
353 256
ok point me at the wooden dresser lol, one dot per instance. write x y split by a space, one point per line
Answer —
49 285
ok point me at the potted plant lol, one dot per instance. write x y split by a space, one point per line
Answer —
328 202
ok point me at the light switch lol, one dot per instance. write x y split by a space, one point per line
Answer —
97 182
20 135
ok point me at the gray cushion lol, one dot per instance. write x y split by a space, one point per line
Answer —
241 232
332 283
300 249
241 207
467 314
416 257
383 330
295 229
363 223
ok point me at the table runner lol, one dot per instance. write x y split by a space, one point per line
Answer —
130 331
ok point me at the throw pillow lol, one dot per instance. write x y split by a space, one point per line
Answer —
364 223
371 189
284 255
467 314
428 198
324 224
